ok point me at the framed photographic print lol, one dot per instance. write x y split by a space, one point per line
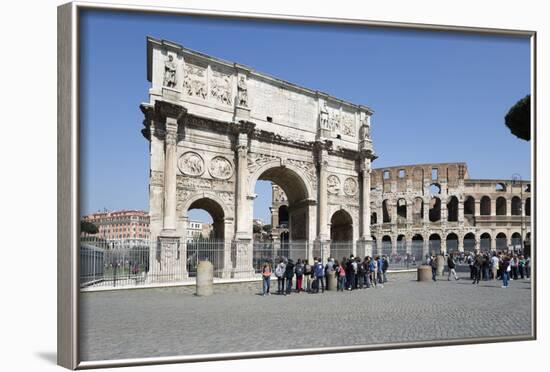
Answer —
237 185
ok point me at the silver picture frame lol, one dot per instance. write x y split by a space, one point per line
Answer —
68 182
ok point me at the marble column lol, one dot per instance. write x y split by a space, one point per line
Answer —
170 166
323 199
365 200
244 224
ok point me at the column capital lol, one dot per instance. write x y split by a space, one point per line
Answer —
166 110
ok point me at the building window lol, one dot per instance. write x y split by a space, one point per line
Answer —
402 173
434 173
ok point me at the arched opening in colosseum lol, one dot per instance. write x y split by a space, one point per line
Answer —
418 210
501 206
401 210
501 241
435 189
452 243
485 206
435 209
500 187
401 245
527 188
283 216
417 246
373 218
341 227
435 244
516 241
516 206
452 209
374 244
528 206
386 245
469 242
485 242
385 211
469 206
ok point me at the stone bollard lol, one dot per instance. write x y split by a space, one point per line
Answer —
440 264
424 273
205 278
331 281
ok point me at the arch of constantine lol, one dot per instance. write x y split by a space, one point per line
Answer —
215 128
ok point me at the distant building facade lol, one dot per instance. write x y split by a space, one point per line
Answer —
117 225
427 208
134 224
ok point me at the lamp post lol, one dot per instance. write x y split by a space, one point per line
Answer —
515 178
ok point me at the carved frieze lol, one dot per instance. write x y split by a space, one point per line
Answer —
350 186
194 81
220 87
333 184
181 197
157 178
348 124
220 167
307 167
191 164
256 160
194 183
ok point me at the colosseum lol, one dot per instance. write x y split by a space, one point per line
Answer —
425 208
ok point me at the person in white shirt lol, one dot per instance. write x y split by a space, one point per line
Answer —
494 265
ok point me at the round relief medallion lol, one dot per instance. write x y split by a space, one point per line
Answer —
220 168
333 184
350 186
191 164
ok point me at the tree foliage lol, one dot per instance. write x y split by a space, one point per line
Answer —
518 119
88 227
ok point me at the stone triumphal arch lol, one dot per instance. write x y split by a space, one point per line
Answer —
215 128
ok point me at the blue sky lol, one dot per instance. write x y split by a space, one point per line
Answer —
437 97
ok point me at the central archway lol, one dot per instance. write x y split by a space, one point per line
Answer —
296 226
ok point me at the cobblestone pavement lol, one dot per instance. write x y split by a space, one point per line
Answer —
173 321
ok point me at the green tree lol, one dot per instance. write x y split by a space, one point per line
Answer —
267 228
256 229
518 118
88 227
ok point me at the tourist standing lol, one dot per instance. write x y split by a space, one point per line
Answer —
299 270
289 274
266 276
279 273
308 273
451 266
478 263
319 273
374 268
494 265
521 267
380 273
341 272
505 270
433 264
528 267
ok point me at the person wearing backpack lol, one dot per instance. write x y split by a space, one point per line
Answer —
341 276
360 274
319 273
266 279
350 274
433 264
451 266
299 271
279 273
308 273
289 274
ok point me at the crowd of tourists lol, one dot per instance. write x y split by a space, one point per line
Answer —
488 266
350 274
498 266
